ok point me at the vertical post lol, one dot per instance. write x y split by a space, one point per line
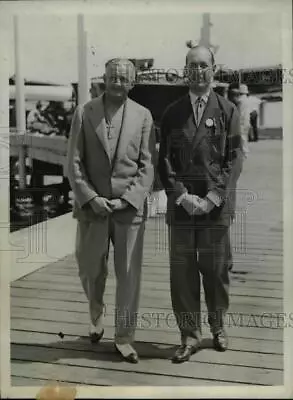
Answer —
19 101
261 114
83 64
239 77
205 31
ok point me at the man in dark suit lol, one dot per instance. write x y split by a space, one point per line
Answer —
199 144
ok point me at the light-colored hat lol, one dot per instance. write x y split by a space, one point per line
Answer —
243 89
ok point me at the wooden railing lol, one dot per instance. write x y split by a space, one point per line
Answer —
50 149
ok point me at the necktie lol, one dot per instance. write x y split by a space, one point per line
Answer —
198 110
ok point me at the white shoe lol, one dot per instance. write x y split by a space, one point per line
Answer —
127 352
95 329
96 332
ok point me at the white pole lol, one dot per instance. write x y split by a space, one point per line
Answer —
83 62
87 95
206 30
19 101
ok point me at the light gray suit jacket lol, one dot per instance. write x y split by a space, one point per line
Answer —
90 171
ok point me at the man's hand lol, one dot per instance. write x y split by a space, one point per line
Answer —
100 206
205 206
118 204
195 205
190 203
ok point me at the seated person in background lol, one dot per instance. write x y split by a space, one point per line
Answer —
57 117
35 118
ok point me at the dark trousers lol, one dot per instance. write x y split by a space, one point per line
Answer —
253 123
195 252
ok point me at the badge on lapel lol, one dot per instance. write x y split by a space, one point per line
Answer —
212 124
209 123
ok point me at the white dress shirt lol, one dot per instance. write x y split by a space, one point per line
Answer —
194 102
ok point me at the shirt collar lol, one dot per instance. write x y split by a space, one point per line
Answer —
193 97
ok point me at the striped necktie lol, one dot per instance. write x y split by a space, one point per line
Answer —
198 110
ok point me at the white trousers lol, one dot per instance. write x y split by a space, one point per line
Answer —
92 250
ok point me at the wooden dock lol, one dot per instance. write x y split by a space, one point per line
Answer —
49 318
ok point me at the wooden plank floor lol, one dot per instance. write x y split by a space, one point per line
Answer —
49 303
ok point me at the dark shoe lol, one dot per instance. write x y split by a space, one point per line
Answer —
183 353
221 341
96 337
131 358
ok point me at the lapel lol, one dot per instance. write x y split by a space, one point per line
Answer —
127 129
97 119
187 118
209 112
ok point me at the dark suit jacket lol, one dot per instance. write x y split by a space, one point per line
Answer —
89 167
199 160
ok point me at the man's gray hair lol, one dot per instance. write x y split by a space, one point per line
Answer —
116 61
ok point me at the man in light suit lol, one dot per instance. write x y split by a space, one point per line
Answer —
234 95
237 94
111 172
200 138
